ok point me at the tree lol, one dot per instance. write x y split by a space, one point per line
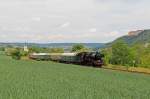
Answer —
107 52
78 47
2 48
34 49
16 54
142 55
122 54
56 50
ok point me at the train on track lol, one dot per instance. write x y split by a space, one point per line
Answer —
94 59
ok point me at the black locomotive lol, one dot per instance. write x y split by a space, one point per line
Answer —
94 59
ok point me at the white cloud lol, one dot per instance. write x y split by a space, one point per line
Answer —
37 19
3 36
66 24
93 30
15 28
113 34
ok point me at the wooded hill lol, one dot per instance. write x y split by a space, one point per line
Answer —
140 38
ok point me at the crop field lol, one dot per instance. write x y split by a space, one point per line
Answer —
26 79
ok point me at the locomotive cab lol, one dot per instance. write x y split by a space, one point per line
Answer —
98 61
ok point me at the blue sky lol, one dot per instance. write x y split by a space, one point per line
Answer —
45 21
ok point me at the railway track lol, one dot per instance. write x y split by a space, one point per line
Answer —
116 69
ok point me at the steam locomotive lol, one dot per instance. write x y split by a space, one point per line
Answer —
94 59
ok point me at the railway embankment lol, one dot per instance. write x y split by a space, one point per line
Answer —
128 69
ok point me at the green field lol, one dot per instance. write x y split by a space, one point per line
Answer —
48 80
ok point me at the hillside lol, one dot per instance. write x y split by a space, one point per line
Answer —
135 37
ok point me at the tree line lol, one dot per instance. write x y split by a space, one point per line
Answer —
17 52
119 53
137 55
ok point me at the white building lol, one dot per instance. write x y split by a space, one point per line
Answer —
25 48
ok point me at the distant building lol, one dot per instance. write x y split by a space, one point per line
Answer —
135 33
25 48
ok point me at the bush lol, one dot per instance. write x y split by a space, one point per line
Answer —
23 53
9 51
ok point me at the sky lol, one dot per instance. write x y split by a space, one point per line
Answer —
65 21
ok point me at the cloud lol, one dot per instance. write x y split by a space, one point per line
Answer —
15 29
71 20
37 19
3 36
115 33
112 34
93 30
66 24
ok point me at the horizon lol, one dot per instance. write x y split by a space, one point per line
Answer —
71 21
54 42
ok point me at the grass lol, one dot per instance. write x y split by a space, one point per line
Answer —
48 80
